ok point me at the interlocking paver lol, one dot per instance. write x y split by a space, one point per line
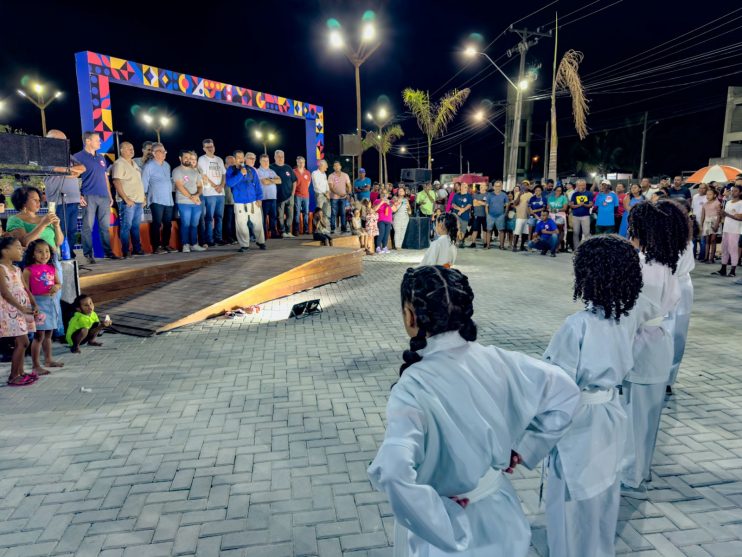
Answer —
252 435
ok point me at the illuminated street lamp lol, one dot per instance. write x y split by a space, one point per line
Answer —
381 118
523 84
368 44
265 138
39 101
157 122
481 116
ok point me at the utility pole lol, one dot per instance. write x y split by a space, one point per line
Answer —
546 152
644 144
525 43
461 160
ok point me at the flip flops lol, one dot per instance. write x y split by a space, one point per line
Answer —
24 380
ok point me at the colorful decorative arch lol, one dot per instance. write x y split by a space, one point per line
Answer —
95 73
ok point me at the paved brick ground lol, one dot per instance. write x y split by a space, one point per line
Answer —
251 436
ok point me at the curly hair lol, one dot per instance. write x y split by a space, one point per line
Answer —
20 196
662 231
442 301
451 223
28 257
608 275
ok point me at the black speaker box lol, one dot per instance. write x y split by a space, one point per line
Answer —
32 150
417 175
418 233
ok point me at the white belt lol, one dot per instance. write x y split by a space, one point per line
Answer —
596 397
488 484
656 322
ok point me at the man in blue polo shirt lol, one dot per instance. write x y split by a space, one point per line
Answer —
546 235
95 196
607 203
362 186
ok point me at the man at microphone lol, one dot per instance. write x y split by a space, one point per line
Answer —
63 194
248 200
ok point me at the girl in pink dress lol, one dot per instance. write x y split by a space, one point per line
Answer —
372 225
17 308
41 279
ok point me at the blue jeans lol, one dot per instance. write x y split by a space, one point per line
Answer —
189 216
546 245
269 210
129 220
68 221
337 206
98 209
383 238
214 209
301 213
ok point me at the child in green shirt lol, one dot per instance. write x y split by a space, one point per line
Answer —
85 326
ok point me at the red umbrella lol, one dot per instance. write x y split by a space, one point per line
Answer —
472 179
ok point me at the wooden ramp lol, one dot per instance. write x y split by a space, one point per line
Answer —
222 282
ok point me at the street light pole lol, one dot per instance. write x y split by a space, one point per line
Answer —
523 47
40 103
357 57
644 144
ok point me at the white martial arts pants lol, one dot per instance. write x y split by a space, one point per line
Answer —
643 405
579 528
678 323
245 213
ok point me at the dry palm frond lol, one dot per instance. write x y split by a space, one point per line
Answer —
568 77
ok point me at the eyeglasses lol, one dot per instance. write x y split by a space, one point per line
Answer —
160 151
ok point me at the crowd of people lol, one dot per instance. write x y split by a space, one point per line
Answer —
556 217
462 415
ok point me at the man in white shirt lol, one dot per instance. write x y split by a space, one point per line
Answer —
648 190
214 173
697 203
321 187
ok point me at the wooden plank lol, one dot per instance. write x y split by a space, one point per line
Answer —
248 279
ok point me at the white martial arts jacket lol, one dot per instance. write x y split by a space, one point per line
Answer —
441 252
596 353
451 419
653 343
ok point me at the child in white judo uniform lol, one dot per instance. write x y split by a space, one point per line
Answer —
679 319
454 418
660 235
442 250
594 347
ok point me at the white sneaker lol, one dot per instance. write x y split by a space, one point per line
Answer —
289 235
187 248
196 247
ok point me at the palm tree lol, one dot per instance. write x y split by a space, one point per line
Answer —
382 141
433 118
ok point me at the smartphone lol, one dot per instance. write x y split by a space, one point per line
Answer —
52 206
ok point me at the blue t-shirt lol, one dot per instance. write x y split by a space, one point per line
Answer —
360 183
496 203
537 204
581 197
607 203
462 200
93 180
542 225
158 184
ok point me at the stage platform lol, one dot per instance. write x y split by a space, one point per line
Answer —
153 294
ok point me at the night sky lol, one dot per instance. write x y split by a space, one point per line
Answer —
285 52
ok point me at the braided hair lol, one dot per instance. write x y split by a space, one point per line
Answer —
608 275
662 231
451 223
442 301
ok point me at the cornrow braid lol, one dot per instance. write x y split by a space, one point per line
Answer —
662 231
442 301
608 275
